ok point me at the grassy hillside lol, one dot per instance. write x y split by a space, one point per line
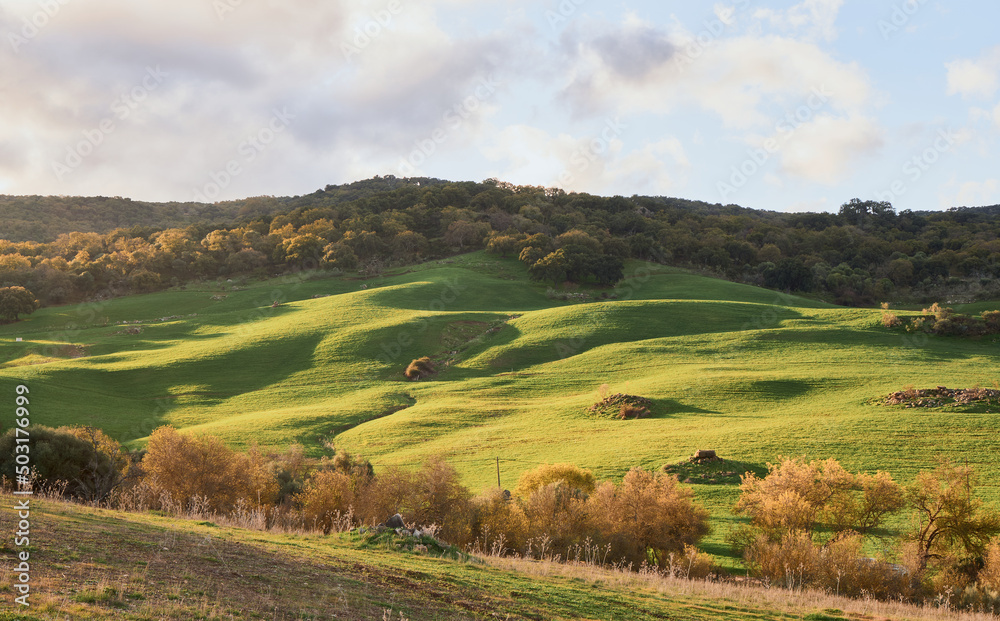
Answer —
749 372
98 564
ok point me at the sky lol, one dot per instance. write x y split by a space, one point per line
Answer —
786 106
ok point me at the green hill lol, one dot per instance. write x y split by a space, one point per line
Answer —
748 372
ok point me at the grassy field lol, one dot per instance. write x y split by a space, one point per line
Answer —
97 564
751 373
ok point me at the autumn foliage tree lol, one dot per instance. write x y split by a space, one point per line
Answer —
948 515
647 517
800 496
204 470
15 301
574 477
326 499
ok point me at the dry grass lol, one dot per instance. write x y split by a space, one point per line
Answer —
101 564
741 593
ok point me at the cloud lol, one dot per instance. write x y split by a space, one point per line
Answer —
226 74
975 78
816 19
746 80
752 83
635 52
972 193
599 163
825 149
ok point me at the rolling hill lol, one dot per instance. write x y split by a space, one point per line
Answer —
751 373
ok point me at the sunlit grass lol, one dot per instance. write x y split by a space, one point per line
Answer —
751 373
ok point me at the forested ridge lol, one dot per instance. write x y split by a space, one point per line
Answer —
66 249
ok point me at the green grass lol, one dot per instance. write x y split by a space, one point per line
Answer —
751 373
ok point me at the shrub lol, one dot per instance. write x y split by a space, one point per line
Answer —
839 567
692 564
383 496
890 320
121 460
844 569
574 477
791 562
437 497
258 484
796 495
940 312
557 519
500 523
326 499
358 469
290 472
648 516
989 576
189 468
420 368
60 458
431 495
992 321
791 495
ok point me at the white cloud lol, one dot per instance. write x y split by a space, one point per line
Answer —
815 18
975 78
596 164
971 193
746 80
225 75
756 85
826 149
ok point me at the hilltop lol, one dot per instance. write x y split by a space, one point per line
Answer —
67 250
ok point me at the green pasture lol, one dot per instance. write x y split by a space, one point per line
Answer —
751 373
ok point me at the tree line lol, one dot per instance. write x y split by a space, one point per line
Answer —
864 254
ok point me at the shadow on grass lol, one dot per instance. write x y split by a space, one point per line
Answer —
137 399
718 472
664 408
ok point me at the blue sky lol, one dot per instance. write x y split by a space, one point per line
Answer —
789 106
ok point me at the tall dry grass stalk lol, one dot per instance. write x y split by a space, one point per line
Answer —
742 593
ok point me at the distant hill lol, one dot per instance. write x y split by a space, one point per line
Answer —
44 218
66 249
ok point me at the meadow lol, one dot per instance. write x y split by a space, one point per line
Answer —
751 373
